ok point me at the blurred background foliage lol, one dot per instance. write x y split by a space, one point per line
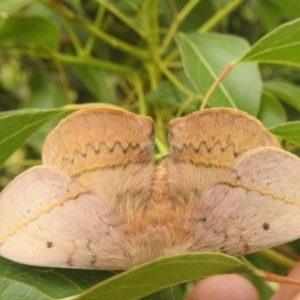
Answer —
55 53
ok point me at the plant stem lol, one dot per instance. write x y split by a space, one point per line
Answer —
71 59
278 258
211 23
76 43
176 23
171 77
91 39
65 12
140 94
64 79
215 85
277 278
154 24
219 15
162 148
94 62
23 163
153 80
151 25
122 17
184 106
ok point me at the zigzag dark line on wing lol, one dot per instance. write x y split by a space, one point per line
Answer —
209 163
103 144
204 143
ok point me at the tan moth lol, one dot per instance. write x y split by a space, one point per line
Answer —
98 201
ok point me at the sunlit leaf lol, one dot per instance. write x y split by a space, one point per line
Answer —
206 55
19 126
271 112
289 131
164 272
27 283
280 46
30 30
285 91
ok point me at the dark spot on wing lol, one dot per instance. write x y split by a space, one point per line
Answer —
49 244
246 247
198 220
266 226
94 260
88 245
70 262
225 234
222 249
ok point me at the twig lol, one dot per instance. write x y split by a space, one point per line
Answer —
176 23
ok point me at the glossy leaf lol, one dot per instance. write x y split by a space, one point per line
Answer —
271 112
287 92
289 131
9 6
30 30
176 292
19 126
206 55
48 96
168 94
164 272
280 46
19 281
96 79
270 14
290 7
26 282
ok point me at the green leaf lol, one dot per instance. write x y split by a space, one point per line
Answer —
290 7
269 14
164 272
48 96
203 10
271 112
206 55
176 292
18 126
10 6
264 290
97 81
168 94
289 131
287 92
30 30
280 46
26 282
38 9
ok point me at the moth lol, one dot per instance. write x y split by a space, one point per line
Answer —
99 202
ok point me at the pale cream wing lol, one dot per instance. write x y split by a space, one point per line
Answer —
105 153
108 151
47 219
204 146
256 206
